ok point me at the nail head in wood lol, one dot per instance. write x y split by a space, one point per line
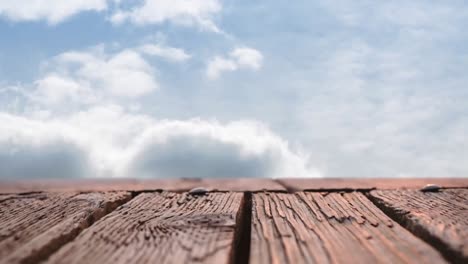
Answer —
198 191
431 188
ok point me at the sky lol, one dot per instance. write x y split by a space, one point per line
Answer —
233 88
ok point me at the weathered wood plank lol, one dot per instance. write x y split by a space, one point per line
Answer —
213 184
90 185
243 185
32 226
370 183
175 185
441 218
160 228
330 228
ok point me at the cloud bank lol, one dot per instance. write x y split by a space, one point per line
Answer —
107 141
76 124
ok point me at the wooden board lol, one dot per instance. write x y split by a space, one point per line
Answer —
161 228
330 228
369 183
175 185
244 185
89 185
32 226
219 184
441 218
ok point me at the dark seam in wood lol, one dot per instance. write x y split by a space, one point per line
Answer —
22 193
136 193
291 189
340 190
269 191
418 231
54 247
240 253
288 188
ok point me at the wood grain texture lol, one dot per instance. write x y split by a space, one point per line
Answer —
174 185
32 226
441 218
330 228
369 183
160 228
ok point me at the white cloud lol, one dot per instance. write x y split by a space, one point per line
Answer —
87 75
184 12
52 11
168 53
199 13
54 89
217 65
239 58
34 149
247 58
108 142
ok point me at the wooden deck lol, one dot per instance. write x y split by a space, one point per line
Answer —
234 221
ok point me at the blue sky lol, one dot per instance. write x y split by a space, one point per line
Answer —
212 88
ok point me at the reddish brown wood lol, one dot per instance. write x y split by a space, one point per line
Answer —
176 185
87 185
32 226
243 185
160 228
330 228
221 184
368 184
441 218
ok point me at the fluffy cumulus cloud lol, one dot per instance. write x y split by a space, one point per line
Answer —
183 12
88 76
107 141
239 58
168 53
196 13
71 126
52 11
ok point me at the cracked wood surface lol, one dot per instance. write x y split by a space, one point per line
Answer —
441 218
330 228
32 226
160 228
